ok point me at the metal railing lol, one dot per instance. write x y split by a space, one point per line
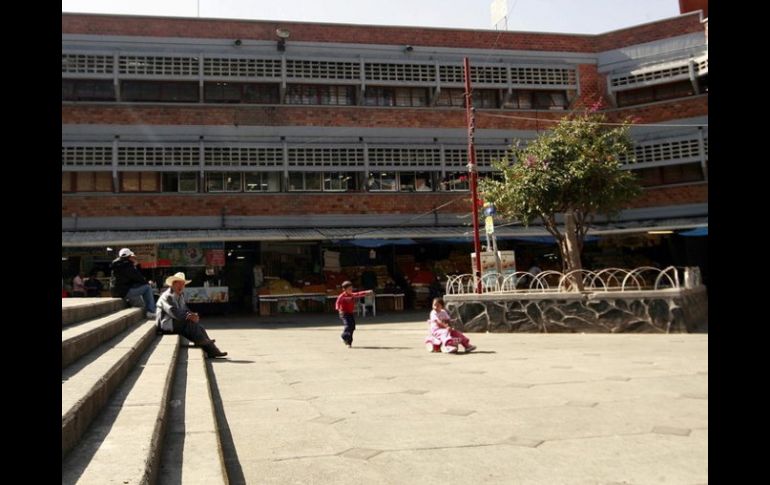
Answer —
645 278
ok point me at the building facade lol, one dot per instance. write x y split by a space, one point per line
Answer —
180 130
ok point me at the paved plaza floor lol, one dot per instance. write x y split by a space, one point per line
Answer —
295 406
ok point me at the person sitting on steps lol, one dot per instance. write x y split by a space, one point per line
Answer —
129 282
174 317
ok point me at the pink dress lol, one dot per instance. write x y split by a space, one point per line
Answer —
444 336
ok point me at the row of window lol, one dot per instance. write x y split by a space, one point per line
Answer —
661 92
315 94
384 181
187 182
305 94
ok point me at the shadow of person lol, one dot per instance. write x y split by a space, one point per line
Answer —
232 361
380 348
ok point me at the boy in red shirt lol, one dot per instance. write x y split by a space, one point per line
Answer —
346 306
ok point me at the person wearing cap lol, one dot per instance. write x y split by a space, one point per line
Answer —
129 283
174 317
345 305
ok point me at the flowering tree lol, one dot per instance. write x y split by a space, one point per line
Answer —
573 170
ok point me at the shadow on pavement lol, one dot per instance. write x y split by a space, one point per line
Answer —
379 348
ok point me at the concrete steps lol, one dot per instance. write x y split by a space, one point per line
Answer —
192 428
117 382
80 309
79 339
88 384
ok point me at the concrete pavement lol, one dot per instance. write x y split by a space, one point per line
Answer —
295 405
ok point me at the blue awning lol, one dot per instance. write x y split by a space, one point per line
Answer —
698 231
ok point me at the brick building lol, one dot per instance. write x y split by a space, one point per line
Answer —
261 134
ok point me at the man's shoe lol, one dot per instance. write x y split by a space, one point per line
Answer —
216 354
203 345
470 348
150 315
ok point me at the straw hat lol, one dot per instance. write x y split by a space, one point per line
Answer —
177 277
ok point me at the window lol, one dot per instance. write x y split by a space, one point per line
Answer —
381 181
225 92
670 174
485 98
519 100
703 84
378 96
317 94
537 99
223 182
262 181
87 90
406 181
455 181
159 91
139 182
550 100
415 181
423 182
304 181
451 97
180 182
411 96
93 182
339 181
660 92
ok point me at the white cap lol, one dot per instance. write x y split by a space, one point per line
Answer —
125 252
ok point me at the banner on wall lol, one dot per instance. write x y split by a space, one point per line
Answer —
507 262
191 254
146 254
488 262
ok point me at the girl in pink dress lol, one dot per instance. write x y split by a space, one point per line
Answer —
442 335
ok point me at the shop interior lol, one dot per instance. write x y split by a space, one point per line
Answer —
299 276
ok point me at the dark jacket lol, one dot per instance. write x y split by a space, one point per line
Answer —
125 276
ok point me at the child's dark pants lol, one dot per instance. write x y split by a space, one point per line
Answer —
349 322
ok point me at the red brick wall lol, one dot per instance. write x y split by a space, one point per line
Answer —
684 24
260 204
98 24
296 204
663 111
364 116
694 5
593 87
683 194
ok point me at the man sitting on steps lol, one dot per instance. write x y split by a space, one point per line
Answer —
129 282
174 317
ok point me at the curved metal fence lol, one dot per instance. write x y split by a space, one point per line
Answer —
645 278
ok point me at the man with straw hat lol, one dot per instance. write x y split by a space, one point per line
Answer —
174 317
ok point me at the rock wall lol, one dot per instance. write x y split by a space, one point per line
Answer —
664 311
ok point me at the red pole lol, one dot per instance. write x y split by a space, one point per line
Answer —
471 122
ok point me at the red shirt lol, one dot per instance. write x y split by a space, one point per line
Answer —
346 304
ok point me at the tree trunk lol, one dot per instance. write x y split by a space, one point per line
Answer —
573 249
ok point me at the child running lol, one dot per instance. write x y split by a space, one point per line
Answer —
345 305
442 333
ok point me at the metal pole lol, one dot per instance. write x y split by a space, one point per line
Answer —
471 122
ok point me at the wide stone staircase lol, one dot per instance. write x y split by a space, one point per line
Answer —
136 406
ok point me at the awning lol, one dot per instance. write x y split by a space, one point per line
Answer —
699 231
377 243
418 234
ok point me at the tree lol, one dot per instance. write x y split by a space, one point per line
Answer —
573 170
